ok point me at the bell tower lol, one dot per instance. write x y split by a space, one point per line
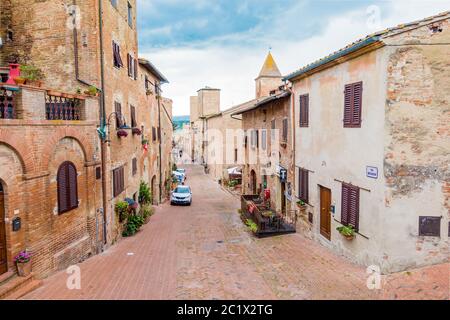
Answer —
269 78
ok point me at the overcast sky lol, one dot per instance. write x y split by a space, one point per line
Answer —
223 43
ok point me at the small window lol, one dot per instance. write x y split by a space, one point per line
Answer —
235 155
67 187
116 55
353 105
303 185
430 226
118 181
119 117
264 139
284 137
130 15
350 206
272 129
153 134
304 110
146 83
133 117
98 173
134 166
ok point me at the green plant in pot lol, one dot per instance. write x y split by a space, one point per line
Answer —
134 223
347 231
32 75
92 91
122 210
252 226
23 263
145 194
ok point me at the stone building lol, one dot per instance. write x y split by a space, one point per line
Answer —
64 164
268 150
372 145
202 106
167 127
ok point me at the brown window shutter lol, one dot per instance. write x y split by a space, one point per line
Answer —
357 104
285 130
129 64
118 110
345 204
159 133
303 182
135 69
73 186
257 138
134 166
348 105
62 189
153 134
133 117
122 179
67 187
304 110
353 217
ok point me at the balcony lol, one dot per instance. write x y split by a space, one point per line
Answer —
35 104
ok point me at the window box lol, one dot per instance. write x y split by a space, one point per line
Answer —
136 131
348 232
121 133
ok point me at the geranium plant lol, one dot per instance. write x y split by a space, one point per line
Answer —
122 133
136 131
23 257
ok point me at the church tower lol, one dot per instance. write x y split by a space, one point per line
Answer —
269 78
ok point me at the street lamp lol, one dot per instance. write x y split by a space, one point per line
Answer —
117 115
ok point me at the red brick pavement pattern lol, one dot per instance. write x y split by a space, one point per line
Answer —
205 252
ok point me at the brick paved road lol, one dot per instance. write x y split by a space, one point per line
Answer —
205 252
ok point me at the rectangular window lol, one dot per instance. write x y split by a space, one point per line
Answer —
134 166
353 105
303 185
153 134
264 139
284 137
146 83
235 155
133 117
272 129
119 118
350 206
304 110
118 181
130 15
116 55
132 66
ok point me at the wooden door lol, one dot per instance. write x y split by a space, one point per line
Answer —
325 216
3 262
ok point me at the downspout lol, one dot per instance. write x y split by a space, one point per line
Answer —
103 123
158 96
293 131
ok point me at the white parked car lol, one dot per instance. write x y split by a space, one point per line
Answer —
182 171
181 195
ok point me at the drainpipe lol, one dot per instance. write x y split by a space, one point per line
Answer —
293 129
158 95
103 123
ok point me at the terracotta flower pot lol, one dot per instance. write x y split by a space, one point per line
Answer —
24 269
19 80
349 238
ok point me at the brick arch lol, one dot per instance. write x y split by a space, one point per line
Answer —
60 134
15 142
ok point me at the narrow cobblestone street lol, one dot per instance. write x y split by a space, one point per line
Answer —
205 252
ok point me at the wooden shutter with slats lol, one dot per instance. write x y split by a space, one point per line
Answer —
304 110
353 105
67 187
303 185
350 206
133 117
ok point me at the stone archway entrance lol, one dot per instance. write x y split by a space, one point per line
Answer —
3 259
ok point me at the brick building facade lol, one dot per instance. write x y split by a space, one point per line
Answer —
43 128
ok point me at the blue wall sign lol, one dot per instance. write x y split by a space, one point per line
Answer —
372 172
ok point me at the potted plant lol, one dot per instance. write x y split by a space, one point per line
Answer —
122 210
146 212
347 231
20 80
136 131
23 263
32 75
149 92
252 226
121 133
91 91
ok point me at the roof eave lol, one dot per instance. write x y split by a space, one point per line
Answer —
349 53
151 68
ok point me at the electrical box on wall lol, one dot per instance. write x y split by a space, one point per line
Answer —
16 224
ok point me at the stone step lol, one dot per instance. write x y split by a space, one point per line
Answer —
13 284
6 276
24 290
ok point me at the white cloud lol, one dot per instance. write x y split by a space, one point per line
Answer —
233 68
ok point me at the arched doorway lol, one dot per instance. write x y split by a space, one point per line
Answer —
253 181
3 260
154 200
